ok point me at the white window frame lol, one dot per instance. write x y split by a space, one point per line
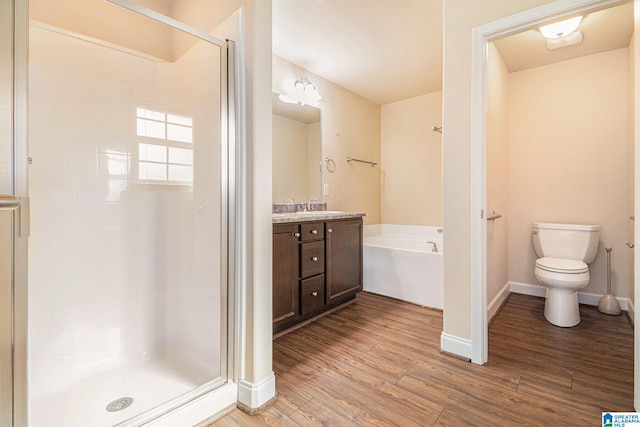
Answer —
162 141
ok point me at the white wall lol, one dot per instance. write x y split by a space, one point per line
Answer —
412 161
497 176
350 128
568 141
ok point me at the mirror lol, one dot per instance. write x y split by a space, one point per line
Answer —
297 151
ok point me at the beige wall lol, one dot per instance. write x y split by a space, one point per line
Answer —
636 200
497 150
257 347
350 128
412 161
631 165
460 17
568 141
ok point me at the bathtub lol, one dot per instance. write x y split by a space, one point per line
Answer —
400 263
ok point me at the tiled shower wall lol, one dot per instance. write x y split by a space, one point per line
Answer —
121 272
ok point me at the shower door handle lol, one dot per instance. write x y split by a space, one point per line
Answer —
21 204
9 202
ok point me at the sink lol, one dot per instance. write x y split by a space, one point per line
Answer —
320 213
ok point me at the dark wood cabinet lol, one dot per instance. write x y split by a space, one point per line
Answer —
344 259
316 267
285 275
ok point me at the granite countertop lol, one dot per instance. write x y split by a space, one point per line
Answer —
310 216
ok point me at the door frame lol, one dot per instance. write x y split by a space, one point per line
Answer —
481 37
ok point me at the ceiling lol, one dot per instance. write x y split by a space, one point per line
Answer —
386 51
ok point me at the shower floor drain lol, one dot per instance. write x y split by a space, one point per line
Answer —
119 404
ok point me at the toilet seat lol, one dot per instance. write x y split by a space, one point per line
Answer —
564 266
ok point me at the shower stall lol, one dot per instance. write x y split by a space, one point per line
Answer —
121 286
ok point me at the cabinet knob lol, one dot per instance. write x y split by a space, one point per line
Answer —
297 234
315 258
314 293
314 231
329 230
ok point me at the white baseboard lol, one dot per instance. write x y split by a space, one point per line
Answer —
583 297
455 345
253 395
526 289
632 311
497 301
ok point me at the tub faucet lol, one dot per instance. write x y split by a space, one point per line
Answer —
434 248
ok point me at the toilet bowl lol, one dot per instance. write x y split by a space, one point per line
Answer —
562 279
564 251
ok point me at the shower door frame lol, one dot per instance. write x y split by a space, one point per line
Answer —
14 19
13 325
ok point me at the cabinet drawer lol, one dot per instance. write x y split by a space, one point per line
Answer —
311 259
312 231
311 294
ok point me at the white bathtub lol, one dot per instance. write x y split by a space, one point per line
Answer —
400 263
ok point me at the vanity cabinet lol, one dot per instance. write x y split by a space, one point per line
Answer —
344 259
285 275
316 267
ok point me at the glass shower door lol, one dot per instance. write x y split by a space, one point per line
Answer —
127 253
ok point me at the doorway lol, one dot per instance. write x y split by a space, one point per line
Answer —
481 37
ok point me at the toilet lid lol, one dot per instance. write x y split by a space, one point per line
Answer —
557 265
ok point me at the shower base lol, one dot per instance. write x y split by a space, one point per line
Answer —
149 385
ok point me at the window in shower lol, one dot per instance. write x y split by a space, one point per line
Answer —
165 153
127 255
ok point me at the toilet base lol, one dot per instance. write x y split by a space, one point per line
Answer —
561 307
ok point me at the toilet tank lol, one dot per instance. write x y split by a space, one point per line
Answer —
566 241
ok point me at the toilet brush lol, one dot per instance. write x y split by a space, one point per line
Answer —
608 303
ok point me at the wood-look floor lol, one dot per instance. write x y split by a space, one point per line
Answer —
377 363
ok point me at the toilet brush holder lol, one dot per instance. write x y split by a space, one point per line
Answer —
608 303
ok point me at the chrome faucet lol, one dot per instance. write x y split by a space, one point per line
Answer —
434 248
311 201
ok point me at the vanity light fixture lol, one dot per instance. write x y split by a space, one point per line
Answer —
305 91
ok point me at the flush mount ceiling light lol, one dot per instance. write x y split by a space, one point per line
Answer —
560 29
568 40
305 91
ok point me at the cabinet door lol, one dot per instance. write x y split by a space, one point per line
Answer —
344 259
285 275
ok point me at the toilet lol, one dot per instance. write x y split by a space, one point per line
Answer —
564 250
